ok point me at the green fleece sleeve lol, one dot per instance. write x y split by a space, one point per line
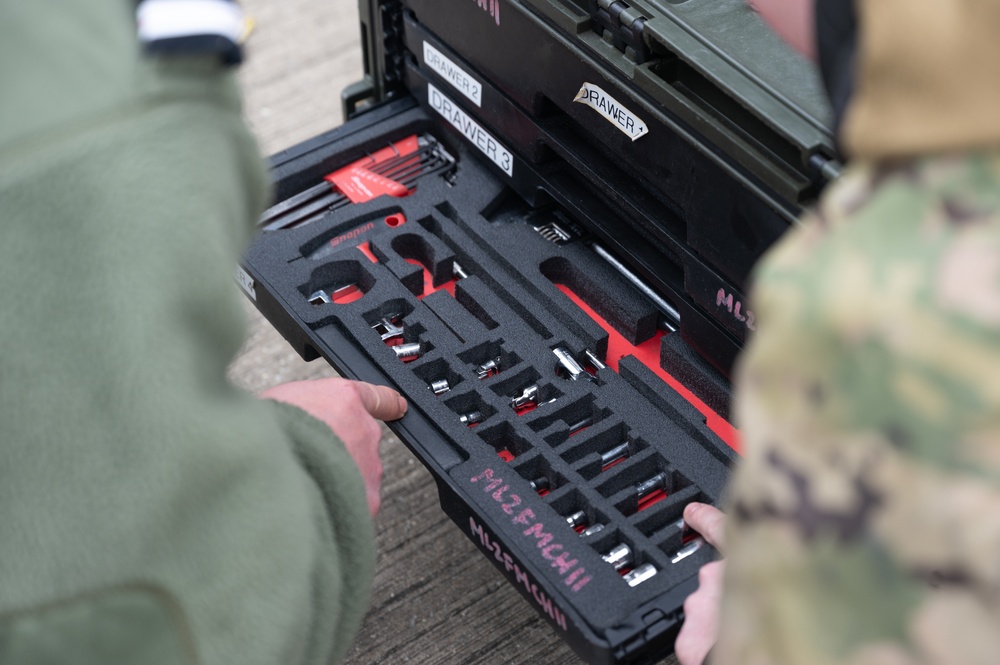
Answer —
343 497
127 190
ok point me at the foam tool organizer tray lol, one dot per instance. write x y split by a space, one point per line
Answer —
534 368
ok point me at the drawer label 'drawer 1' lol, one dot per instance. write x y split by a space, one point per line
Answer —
624 120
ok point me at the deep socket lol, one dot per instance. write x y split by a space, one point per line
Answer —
647 487
616 454
570 366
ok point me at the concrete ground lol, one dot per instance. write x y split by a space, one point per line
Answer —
437 599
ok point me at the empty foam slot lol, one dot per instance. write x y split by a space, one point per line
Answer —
502 437
573 416
428 252
501 291
455 317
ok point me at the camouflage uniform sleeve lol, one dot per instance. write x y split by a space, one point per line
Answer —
865 520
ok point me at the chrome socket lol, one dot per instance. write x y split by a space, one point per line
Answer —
528 396
647 487
594 360
539 484
616 454
620 556
687 550
636 577
571 368
440 386
488 368
577 426
471 418
576 519
408 351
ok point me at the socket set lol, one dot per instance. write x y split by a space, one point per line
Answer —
531 363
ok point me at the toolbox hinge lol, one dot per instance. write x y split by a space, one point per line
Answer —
622 26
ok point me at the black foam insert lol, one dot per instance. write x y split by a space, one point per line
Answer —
508 309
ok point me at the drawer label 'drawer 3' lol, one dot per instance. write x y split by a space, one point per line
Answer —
472 130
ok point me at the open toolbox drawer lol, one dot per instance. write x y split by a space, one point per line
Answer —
699 158
560 327
523 297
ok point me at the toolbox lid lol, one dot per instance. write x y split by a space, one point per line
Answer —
727 42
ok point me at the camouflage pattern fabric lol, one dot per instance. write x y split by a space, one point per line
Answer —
865 521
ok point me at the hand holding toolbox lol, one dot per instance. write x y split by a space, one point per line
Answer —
538 227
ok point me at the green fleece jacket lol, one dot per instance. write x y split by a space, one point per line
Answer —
149 512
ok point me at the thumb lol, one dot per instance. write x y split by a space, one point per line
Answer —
709 521
381 402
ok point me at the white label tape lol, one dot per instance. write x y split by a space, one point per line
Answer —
627 122
246 282
453 74
471 129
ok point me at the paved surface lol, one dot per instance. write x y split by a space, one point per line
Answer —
437 599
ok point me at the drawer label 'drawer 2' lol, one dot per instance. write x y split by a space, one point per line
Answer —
459 79
624 120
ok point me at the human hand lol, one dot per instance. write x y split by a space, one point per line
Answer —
350 409
701 609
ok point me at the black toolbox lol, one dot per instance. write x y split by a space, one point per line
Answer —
537 225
